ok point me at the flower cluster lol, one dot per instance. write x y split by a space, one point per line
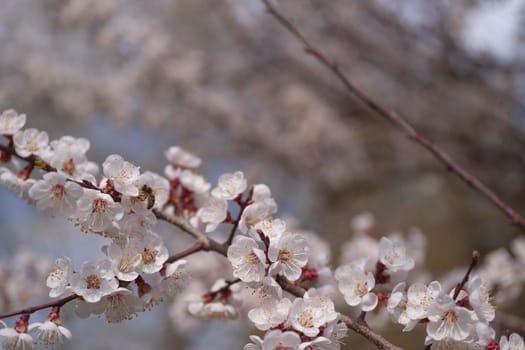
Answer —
286 270
374 277
310 322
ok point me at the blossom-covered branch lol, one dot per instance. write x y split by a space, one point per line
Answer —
400 122
294 289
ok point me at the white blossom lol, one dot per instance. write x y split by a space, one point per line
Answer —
513 342
397 304
480 300
54 195
178 157
272 228
125 260
420 298
174 279
31 141
275 340
153 251
49 333
122 173
271 313
11 122
393 255
230 186
288 255
119 305
247 259
98 210
194 182
59 279
311 312
448 320
158 185
213 212
95 280
355 284
16 341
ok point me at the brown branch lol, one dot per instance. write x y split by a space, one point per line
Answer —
56 303
473 262
243 205
399 122
185 226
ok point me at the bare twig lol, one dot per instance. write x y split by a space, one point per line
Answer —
30 310
243 205
398 121
473 262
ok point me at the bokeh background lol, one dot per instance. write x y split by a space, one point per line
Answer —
222 79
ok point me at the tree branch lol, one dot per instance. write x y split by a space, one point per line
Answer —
185 226
399 122
56 303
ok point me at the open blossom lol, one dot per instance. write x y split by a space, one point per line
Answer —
11 122
275 340
247 259
71 145
288 255
212 213
153 251
54 195
356 285
95 280
174 278
230 186
393 255
31 141
397 304
480 300
125 260
122 173
420 299
311 312
69 158
59 279
178 157
272 228
271 313
194 182
98 210
119 305
262 207
448 320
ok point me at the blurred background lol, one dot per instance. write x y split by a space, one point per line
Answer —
222 79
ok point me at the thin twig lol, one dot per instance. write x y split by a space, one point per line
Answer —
194 248
30 310
243 205
473 262
399 122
